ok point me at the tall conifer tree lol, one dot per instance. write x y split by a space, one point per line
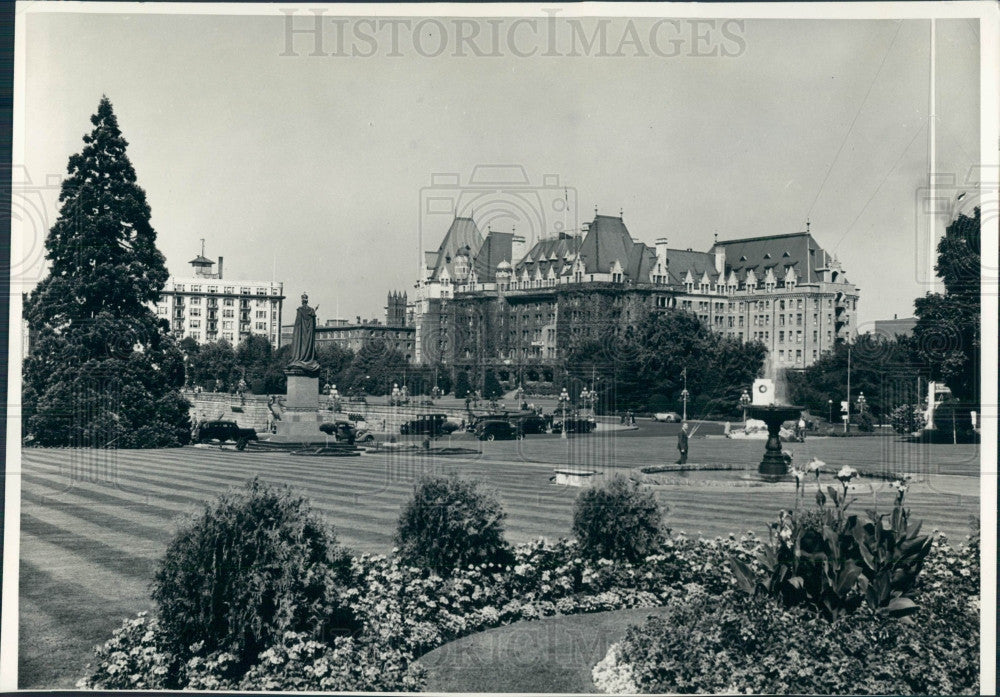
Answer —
102 370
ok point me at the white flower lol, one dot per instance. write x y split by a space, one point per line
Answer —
816 465
846 474
798 474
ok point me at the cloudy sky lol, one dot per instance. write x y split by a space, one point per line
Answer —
334 171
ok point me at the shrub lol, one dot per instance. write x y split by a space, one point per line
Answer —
462 386
451 523
907 419
257 562
865 422
136 657
618 521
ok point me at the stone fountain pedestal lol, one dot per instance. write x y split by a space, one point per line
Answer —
773 465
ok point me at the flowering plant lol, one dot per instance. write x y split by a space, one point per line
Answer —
832 561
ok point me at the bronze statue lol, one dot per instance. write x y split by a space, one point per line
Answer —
304 341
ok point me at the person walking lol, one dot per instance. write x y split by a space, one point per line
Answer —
682 444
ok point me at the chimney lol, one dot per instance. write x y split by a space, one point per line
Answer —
220 267
518 248
661 250
357 319
720 259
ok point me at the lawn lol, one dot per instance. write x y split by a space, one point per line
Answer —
94 523
555 654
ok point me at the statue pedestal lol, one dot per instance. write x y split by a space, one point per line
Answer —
301 419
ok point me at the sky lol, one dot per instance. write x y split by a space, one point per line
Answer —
332 173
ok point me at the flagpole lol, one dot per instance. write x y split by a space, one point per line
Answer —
932 162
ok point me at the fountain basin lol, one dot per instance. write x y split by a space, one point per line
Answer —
773 464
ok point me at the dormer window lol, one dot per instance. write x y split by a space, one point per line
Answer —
767 256
786 255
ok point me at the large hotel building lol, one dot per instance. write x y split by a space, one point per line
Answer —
207 307
484 303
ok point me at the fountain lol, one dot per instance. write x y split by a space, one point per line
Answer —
773 466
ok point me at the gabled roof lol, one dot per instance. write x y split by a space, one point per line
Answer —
201 261
462 233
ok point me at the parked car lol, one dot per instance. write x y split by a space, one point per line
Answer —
357 420
348 431
224 431
574 425
531 423
498 429
670 417
429 425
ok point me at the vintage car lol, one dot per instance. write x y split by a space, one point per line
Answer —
224 431
428 425
497 429
576 424
670 417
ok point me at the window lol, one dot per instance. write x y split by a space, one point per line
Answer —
196 301
829 337
179 287
814 354
798 354
781 355
195 289
262 325
228 302
798 319
262 291
815 336
194 323
781 320
244 291
798 304
213 289
227 313
781 337
196 312
781 305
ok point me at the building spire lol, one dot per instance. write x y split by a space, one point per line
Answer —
807 223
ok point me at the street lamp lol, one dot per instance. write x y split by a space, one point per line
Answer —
684 395
861 402
744 403
829 410
563 401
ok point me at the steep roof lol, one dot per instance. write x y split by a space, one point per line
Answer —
201 261
607 240
497 247
462 233
798 250
680 261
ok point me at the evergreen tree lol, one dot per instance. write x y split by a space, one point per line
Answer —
948 325
102 370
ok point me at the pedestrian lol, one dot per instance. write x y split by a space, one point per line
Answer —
682 444
802 429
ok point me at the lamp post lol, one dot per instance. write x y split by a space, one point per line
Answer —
861 403
829 410
847 421
563 401
685 394
744 403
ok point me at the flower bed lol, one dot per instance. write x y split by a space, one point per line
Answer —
715 638
734 643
